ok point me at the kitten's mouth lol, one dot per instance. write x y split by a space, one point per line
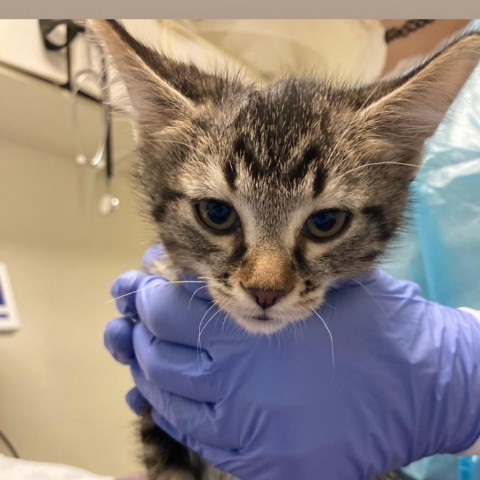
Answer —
262 318
266 322
260 324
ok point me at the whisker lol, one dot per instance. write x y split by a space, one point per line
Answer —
150 286
300 327
224 320
199 344
370 294
295 331
206 324
378 163
193 294
330 335
277 337
201 329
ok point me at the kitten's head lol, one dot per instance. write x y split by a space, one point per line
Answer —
273 193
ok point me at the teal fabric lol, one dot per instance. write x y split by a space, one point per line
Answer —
440 247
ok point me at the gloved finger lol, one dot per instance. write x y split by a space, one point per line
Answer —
118 339
180 369
136 401
124 291
151 255
175 315
192 418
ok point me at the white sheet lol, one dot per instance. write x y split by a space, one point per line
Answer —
15 469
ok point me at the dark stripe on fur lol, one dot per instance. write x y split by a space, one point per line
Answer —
238 254
230 172
319 181
370 256
245 152
311 157
309 287
298 173
168 196
376 215
300 259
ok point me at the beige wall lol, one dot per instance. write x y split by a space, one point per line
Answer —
61 395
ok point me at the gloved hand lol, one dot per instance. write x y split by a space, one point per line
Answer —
404 382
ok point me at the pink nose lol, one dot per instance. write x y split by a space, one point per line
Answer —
266 298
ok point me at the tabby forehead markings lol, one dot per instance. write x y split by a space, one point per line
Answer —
244 152
308 162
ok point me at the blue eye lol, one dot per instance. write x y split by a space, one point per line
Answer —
217 215
326 224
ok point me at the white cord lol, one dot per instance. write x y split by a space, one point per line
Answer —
81 158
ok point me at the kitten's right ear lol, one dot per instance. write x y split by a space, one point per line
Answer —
414 105
150 97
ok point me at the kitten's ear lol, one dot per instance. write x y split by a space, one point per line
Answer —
414 106
149 95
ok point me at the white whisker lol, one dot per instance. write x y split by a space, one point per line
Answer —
193 294
206 324
369 293
403 164
199 344
330 335
224 320
300 328
150 286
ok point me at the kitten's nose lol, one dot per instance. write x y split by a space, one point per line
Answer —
266 298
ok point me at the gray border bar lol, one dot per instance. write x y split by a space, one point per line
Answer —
239 9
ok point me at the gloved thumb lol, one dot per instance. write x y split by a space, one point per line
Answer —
118 339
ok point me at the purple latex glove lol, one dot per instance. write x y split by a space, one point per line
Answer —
405 382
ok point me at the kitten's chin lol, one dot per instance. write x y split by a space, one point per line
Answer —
267 323
256 326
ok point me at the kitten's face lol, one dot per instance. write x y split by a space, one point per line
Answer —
273 197
274 193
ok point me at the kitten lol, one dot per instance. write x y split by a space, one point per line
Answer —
273 192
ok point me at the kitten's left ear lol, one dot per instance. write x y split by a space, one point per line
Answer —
414 106
148 94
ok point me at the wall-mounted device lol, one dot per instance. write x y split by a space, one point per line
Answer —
9 320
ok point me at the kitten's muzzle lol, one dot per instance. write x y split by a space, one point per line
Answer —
266 298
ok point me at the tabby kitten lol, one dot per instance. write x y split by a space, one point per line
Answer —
273 192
